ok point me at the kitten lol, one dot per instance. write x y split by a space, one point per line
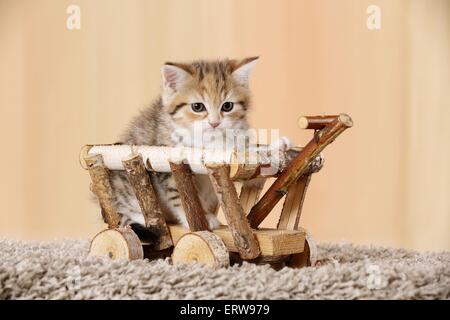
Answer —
211 96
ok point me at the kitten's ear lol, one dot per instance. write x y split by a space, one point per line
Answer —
173 76
243 69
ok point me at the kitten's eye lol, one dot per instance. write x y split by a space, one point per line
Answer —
227 106
198 107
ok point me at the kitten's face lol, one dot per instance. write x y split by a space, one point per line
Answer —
208 96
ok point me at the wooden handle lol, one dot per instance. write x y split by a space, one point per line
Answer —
319 122
297 167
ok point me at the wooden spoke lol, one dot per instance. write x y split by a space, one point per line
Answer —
250 192
195 213
101 187
226 192
292 208
145 193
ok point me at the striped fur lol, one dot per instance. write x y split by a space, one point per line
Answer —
170 121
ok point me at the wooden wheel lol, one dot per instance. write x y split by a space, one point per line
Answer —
202 247
308 257
119 243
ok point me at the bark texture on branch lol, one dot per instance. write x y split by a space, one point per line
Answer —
145 193
297 167
101 187
195 214
226 192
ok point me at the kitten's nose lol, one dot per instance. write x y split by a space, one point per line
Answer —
214 124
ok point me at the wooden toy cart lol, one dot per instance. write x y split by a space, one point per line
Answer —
241 239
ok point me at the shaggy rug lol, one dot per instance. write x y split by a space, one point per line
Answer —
62 270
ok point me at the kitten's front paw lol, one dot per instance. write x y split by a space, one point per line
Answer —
283 144
213 222
320 159
316 164
183 222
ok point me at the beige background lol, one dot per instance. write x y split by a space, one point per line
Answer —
386 181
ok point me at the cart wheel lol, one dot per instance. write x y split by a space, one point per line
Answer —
203 247
119 243
308 257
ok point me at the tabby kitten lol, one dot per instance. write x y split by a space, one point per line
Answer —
210 96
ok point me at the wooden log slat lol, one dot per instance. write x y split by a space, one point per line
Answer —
142 186
269 162
195 214
293 204
297 167
243 236
101 186
250 192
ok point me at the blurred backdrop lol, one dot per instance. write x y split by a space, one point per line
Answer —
386 181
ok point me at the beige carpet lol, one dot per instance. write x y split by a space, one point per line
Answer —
62 270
